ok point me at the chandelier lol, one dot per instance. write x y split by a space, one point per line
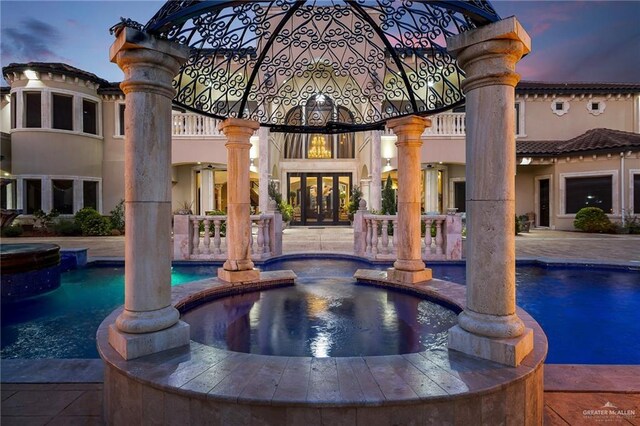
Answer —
318 147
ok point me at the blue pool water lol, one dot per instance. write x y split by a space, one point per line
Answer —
322 317
590 315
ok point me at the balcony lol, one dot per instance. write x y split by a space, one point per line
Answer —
190 125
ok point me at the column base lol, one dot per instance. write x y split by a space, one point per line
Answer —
131 346
509 351
238 276
409 277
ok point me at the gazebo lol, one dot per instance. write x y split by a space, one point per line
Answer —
383 63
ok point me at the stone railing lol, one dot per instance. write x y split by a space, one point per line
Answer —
375 236
203 237
447 124
193 125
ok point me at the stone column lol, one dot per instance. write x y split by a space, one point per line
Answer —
238 267
206 190
149 323
375 191
409 267
489 327
431 191
263 168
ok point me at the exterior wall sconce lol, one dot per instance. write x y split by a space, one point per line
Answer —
525 161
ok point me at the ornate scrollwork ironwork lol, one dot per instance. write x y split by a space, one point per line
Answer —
259 60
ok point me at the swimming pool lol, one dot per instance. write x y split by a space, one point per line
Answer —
587 312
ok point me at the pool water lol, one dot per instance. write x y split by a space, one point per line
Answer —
589 314
322 317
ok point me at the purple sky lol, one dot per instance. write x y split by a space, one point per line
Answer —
572 40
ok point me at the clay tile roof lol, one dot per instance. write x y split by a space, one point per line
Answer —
595 140
532 87
111 88
53 67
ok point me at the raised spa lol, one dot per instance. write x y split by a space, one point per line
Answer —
322 317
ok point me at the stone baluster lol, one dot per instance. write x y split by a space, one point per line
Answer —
427 236
260 237
238 267
367 240
267 241
216 236
148 322
207 236
409 267
489 326
196 236
439 250
251 239
374 237
395 236
385 236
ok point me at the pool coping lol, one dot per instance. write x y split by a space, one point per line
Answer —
435 375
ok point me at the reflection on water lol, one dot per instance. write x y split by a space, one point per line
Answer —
322 317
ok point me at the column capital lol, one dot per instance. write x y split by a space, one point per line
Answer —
238 129
489 54
408 128
149 64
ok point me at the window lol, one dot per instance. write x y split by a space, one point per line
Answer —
636 194
520 119
560 107
33 195
33 109
121 119
592 191
89 117
596 107
62 112
90 194
459 200
14 107
62 195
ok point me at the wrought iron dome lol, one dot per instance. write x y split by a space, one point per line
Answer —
312 66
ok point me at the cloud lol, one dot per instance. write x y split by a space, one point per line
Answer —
33 40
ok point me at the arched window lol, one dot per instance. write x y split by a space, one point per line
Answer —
318 110
293 141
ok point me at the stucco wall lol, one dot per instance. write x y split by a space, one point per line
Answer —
542 124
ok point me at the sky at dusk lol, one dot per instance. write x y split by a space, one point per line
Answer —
594 41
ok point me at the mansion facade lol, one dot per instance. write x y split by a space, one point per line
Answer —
577 144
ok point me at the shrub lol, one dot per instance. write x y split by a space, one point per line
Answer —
117 217
592 219
67 228
44 220
92 223
354 204
285 209
212 230
388 198
12 231
518 229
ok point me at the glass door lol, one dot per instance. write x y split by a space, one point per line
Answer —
319 198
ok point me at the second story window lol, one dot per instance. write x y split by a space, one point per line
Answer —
62 106
121 119
32 109
89 117
14 108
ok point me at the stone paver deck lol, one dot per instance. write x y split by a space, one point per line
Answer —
539 243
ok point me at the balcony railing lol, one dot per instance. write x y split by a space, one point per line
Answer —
375 236
203 237
447 124
194 125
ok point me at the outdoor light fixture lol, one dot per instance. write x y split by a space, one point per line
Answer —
525 161
31 74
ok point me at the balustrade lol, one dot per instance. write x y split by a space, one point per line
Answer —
189 125
442 239
193 235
